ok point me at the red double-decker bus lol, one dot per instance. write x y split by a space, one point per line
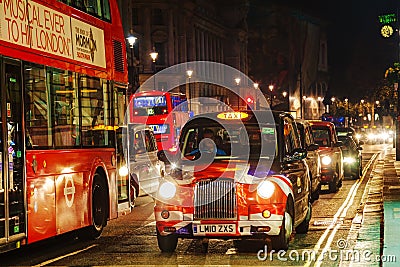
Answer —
63 83
164 112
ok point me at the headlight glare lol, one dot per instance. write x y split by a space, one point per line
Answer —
326 160
123 171
167 190
349 160
266 189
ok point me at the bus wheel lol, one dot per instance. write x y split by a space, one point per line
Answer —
167 243
99 207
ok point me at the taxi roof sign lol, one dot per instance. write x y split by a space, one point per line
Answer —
232 115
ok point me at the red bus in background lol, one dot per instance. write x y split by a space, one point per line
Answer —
62 100
164 112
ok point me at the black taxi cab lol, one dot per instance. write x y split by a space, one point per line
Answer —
237 175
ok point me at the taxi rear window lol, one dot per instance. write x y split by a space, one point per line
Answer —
322 136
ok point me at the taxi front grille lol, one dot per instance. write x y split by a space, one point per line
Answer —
215 199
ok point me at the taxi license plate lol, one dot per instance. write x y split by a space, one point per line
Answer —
200 229
325 187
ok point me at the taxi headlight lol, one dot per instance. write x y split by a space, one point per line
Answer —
265 189
123 171
358 136
385 136
326 160
371 136
349 160
167 190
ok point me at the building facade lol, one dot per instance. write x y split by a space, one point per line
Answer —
279 47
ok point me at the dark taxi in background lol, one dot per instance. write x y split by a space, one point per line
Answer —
252 182
313 159
332 173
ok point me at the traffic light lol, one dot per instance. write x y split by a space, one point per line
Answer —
250 102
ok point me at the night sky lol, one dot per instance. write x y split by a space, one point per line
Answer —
358 54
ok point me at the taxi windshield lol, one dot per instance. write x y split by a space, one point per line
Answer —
231 141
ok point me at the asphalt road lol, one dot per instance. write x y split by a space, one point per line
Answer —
131 239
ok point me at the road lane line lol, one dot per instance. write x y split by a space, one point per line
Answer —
64 256
352 192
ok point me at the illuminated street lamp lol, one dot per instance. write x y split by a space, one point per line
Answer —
189 74
304 106
237 81
271 88
257 105
153 54
131 40
131 67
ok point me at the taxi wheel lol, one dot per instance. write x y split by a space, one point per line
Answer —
167 243
333 186
315 194
281 242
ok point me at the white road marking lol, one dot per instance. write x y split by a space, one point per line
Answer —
64 256
342 211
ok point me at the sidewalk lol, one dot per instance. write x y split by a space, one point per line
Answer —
375 231
391 207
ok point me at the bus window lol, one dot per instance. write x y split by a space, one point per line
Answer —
36 105
106 10
64 111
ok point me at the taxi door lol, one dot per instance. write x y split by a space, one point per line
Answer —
295 169
12 155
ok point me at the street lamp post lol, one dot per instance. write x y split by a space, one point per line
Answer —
319 105
333 99
153 54
284 94
271 88
237 81
346 100
257 105
131 69
189 74
304 107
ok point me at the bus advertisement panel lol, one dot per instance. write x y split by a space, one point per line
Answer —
62 104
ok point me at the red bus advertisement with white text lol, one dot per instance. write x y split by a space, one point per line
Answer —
62 103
